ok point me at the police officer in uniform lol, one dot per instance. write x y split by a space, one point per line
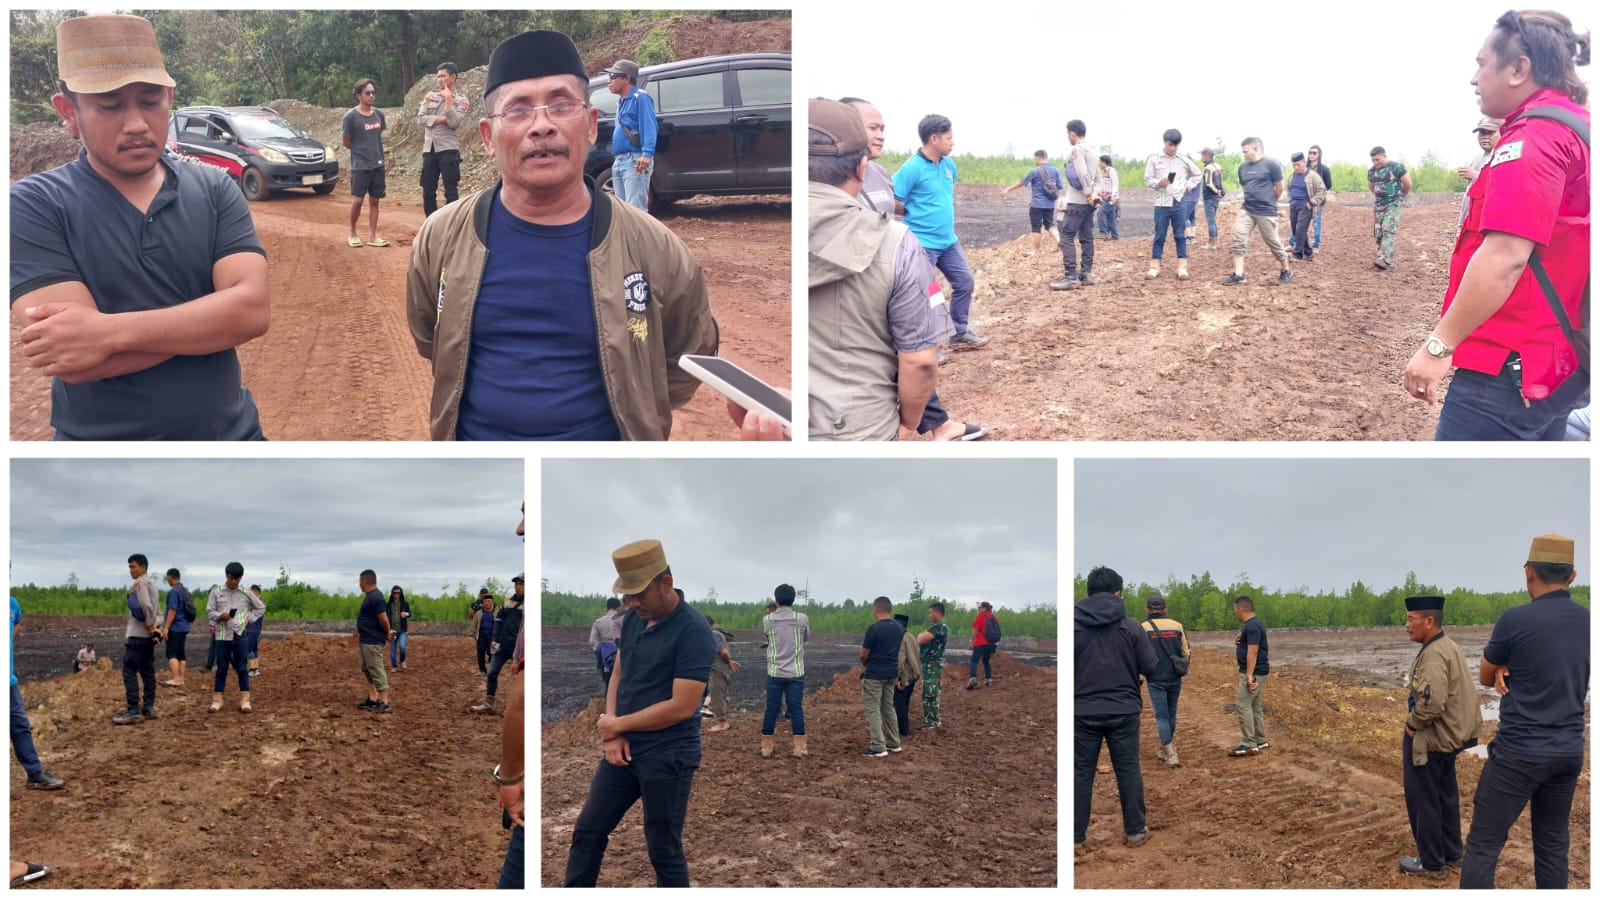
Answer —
1442 719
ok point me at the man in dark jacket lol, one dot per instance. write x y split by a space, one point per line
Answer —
1110 653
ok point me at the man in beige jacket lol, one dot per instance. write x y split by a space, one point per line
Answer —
1442 719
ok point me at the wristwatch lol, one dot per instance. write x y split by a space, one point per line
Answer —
507 781
1437 348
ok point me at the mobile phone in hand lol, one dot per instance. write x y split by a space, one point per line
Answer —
748 391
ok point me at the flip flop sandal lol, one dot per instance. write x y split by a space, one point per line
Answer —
974 432
34 872
380 242
355 242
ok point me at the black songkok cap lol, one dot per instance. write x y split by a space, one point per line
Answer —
1424 603
534 54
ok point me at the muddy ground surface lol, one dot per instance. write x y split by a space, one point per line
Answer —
977 795
1134 359
304 792
569 681
1322 807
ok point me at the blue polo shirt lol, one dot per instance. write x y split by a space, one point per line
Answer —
1545 645
175 598
534 369
1038 199
928 189
679 646
70 224
637 111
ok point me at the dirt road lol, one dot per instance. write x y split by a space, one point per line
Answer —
339 363
305 792
970 804
1135 359
1322 807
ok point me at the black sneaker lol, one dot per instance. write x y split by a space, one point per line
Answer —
1137 839
1285 276
875 754
148 711
1235 279
381 708
1411 864
1242 749
1263 744
366 704
44 781
131 716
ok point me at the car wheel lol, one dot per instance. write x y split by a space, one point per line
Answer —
253 184
324 189
602 181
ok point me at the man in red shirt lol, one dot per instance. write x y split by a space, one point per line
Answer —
982 647
1517 374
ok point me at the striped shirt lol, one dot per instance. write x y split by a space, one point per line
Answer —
786 632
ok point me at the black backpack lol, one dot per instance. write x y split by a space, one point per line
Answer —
1578 337
991 630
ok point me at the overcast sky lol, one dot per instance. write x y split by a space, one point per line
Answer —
1324 524
972 530
417 523
1293 74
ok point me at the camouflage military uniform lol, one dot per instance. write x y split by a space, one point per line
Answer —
932 668
1386 203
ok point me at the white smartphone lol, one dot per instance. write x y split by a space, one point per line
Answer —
733 382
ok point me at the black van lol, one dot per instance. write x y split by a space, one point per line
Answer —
724 125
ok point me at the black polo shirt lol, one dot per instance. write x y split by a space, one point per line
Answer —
1545 645
1252 631
679 646
70 224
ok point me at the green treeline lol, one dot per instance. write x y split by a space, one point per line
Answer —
254 56
285 600
1431 175
1202 605
849 617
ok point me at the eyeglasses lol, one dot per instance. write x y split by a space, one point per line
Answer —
1512 21
562 110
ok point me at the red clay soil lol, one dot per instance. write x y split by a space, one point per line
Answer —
1319 358
305 792
977 797
339 363
1323 807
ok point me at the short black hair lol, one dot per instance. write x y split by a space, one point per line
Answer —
883 604
771 605
613 603
1040 154
173 573
1172 136
784 595
1077 127
932 124
450 67
368 576
140 560
677 590
1104 580
855 101
1246 602
233 569
936 607
362 84
1106 160
1551 572
1378 151
257 587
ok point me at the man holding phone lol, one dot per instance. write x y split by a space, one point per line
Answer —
230 609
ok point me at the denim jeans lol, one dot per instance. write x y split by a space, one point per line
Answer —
22 734
511 870
1120 733
397 645
1188 217
1508 783
663 784
1107 217
139 660
1489 407
1164 700
1316 228
211 653
1211 217
1172 216
952 261
495 664
484 642
780 690
983 653
435 164
630 186
231 654
252 644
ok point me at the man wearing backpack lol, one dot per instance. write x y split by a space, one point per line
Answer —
142 633
1078 199
603 636
180 614
985 640
1515 318
1045 183
1172 664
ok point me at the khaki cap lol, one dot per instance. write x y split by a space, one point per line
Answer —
98 54
1489 125
637 565
1552 549
840 123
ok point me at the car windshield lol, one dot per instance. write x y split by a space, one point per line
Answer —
265 127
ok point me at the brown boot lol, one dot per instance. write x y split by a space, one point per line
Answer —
216 702
800 747
766 747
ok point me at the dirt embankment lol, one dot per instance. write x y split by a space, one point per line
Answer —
970 804
1128 358
1322 807
304 792
339 362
